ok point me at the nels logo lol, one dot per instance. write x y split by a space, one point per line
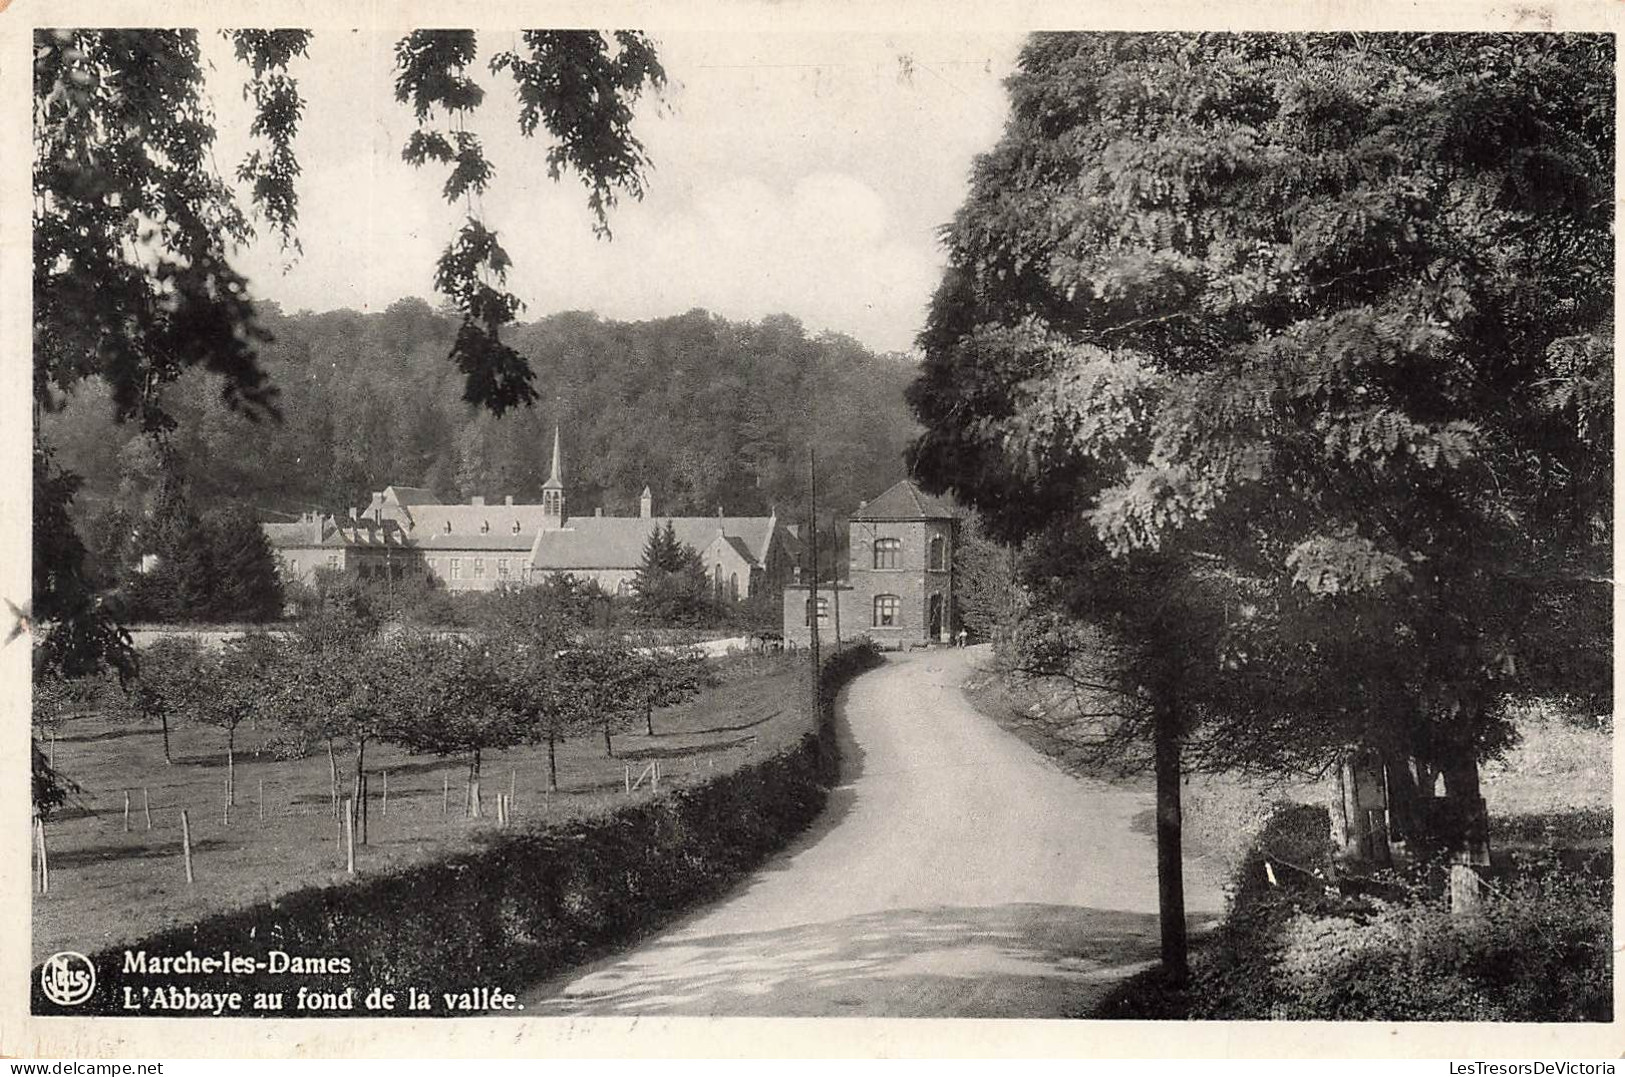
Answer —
67 978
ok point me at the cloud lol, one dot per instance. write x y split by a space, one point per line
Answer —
803 174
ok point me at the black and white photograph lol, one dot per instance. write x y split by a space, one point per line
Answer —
1104 528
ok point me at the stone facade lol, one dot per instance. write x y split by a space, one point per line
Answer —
407 532
899 586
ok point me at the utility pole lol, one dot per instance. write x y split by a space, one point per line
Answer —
812 601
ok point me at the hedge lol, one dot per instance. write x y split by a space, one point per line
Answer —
528 906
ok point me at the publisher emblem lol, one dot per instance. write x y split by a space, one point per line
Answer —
67 978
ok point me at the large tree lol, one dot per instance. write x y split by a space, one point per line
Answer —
1310 334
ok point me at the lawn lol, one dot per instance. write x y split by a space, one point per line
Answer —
110 885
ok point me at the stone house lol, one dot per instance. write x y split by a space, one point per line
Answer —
899 585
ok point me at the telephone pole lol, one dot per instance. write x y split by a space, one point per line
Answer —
812 601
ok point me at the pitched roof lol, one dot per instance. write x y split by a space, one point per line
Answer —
466 520
905 501
283 535
618 541
410 495
440 543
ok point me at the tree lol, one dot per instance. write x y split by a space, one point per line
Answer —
670 588
1285 321
247 587
527 635
663 677
245 679
446 695
333 683
171 681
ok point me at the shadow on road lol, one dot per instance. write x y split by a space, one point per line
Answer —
1017 960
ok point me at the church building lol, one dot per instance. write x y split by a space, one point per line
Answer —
405 531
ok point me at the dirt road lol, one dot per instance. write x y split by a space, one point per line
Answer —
956 873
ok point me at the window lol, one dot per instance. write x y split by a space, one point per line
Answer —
485 527
888 611
502 567
293 566
448 527
456 568
332 560
516 527
823 610
479 567
623 588
716 579
888 552
733 586
434 565
937 559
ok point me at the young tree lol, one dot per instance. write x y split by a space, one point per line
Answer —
247 678
446 695
1289 315
659 676
171 682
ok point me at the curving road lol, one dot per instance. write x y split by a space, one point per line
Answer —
955 873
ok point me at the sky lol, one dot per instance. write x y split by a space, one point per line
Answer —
806 174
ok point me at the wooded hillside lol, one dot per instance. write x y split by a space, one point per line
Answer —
706 412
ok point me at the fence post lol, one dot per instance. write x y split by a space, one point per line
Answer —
44 858
383 806
225 814
628 778
146 805
366 797
126 811
186 845
349 835
445 795
262 800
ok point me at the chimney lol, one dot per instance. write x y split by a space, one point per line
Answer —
353 514
508 500
476 500
646 503
599 511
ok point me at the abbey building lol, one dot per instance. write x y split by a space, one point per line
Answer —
407 532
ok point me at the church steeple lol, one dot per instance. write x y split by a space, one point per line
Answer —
553 492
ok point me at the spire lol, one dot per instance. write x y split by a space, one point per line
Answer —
553 481
553 492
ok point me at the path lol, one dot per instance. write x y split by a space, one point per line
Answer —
956 873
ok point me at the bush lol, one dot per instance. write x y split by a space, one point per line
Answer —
1539 949
1540 952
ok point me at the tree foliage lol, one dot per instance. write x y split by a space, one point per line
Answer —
1321 320
671 588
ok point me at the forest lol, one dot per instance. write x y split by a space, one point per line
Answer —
708 413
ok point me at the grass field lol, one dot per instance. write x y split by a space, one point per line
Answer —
109 886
